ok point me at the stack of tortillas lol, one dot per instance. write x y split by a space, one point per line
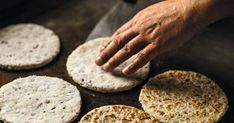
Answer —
26 46
82 68
117 114
39 99
183 97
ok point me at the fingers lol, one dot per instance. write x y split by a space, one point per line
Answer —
105 45
115 45
123 28
146 55
131 48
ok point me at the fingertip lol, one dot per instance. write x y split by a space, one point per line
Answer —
126 71
107 67
99 61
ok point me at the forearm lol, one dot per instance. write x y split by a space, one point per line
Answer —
208 11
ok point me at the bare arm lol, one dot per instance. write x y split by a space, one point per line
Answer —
160 28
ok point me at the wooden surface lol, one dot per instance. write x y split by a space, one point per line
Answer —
210 53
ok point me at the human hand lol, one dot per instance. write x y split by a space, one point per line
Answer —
157 29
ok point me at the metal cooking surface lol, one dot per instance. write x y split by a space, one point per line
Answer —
211 53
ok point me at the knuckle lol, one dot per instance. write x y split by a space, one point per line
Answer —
142 57
113 61
154 43
104 55
117 32
119 42
157 43
128 49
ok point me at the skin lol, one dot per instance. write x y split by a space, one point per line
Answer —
160 28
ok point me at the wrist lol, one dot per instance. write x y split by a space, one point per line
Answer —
205 12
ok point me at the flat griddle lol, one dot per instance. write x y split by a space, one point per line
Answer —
210 53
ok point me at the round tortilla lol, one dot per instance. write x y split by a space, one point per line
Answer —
39 99
27 46
117 114
183 97
82 68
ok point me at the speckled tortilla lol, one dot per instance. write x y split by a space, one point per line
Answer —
82 68
117 114
27 46
183 97
39 99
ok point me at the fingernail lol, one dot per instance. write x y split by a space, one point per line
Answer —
99 61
